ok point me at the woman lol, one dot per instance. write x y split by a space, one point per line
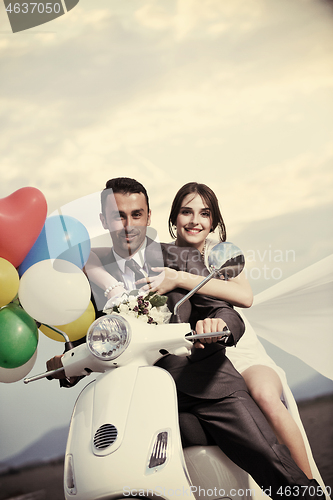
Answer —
194 215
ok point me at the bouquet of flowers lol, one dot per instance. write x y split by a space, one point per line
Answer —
150 308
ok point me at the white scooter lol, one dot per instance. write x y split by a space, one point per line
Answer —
124 438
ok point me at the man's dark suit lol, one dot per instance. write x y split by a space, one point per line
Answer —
209 386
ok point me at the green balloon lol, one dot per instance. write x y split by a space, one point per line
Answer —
18 336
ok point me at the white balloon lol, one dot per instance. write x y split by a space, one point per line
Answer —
9 375
54 291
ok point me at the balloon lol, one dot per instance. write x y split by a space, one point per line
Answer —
75 330
9 375
9 282
54 292
18 336
22 216
62 237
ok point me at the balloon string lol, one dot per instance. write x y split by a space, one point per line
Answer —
65 230
81 254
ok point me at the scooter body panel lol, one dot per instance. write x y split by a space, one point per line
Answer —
141 404
213 474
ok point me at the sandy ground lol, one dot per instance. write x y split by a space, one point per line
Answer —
317 417
45 482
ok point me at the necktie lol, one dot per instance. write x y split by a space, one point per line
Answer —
138 274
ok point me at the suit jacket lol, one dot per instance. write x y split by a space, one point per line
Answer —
207 373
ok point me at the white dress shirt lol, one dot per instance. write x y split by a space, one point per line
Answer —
128 274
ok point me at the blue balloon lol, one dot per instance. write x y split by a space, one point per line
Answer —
62 237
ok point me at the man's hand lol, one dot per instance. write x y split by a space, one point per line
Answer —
208 325
54 364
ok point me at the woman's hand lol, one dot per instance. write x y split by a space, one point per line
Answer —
163 283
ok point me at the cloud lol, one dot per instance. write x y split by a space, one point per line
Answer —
194 18
112 93
302 182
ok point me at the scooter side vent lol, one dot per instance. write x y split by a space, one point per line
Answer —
105 436
159 451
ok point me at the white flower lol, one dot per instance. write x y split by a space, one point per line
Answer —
132 303
164 309
114 301
143 318
132 313
123 308
157 315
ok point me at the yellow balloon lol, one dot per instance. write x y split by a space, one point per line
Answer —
9 282
75 330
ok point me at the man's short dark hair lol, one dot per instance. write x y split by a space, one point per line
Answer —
123 185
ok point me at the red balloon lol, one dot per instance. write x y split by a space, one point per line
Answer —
22 217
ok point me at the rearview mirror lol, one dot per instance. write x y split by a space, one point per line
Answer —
226 259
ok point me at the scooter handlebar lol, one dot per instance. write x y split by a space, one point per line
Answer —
223 335
50 373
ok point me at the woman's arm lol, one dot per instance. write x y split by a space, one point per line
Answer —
237 291
97 273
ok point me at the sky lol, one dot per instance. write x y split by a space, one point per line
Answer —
234 94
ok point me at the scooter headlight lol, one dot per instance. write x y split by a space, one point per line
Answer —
108 336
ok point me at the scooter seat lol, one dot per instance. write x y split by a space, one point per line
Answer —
192 432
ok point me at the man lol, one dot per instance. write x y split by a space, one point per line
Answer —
208 385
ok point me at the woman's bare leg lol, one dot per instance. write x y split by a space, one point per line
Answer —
265 388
